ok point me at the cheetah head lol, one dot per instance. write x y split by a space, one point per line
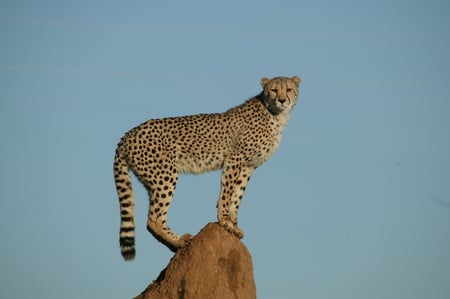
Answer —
280 93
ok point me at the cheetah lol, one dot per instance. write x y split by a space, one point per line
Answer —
236 141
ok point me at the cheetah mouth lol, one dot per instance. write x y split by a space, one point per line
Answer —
277 110
282 105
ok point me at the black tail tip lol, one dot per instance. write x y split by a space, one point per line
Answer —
128 253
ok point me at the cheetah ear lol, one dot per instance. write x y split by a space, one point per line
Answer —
296 80
264 82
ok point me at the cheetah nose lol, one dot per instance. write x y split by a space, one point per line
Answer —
282 101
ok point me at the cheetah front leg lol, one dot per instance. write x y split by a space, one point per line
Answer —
233 183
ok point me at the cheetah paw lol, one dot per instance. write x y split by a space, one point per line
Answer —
184 240
238 232
232 228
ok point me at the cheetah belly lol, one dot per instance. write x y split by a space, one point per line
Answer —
188 163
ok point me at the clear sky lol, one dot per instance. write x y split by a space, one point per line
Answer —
354 204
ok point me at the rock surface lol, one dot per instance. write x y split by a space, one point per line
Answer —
215 265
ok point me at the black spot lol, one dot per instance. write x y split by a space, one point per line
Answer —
124 197
125 204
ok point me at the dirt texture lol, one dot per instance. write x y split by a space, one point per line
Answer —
215 265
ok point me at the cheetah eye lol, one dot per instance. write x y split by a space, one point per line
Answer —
274 90
289 89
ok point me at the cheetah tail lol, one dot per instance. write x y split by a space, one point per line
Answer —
126 198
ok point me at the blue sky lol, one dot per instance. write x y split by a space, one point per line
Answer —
355 203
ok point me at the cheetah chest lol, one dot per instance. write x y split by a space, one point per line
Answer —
266 151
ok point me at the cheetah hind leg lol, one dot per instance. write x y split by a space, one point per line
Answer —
161 196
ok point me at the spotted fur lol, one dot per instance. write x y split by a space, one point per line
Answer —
237 141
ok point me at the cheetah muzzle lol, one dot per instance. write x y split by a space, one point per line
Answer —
236 141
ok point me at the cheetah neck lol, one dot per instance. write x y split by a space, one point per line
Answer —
282 118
